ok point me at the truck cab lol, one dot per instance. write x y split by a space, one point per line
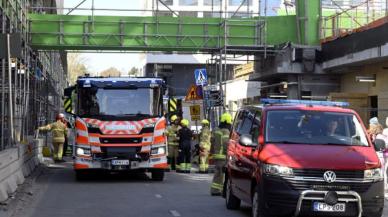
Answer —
303 158
119 125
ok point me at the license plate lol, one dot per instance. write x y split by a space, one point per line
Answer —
323 207
120 162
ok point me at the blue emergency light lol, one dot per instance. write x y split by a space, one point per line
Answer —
303 102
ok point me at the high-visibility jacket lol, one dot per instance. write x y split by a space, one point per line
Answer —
205 137
58 129
172 138
220 138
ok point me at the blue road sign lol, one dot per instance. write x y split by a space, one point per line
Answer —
200 77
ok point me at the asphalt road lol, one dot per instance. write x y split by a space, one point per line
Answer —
185 195
57 193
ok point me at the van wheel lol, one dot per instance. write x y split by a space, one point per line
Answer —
232 202
157 175
257 205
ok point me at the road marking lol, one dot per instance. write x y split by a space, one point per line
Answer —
158 196
175 213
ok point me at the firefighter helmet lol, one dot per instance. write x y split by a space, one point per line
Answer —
173 118
227 118
205 122
185 122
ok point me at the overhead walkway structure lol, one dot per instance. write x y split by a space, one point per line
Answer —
67 32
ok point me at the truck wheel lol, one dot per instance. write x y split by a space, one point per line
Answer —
258 204
232 202
80 175
157 175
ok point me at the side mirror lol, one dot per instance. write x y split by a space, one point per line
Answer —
246 140
379 145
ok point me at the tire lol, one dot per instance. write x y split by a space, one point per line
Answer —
157 175
232 202
80 175
378 214
257 205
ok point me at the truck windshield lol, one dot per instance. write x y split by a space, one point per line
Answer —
314 127
119 102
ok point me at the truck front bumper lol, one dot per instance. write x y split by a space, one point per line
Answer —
158 162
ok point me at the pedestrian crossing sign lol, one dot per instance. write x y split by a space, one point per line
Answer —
200 77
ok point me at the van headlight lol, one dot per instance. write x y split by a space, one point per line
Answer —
276 170
83 151
158 150
375 174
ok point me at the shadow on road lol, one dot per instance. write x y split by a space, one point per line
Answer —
64 173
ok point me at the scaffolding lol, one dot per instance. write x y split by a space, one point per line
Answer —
31 81
340 18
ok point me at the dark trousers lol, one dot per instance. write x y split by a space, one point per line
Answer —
185 157
65 147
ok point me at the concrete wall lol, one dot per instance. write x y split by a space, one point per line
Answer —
349 85
16 164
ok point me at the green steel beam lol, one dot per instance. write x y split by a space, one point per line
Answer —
75 32
308 15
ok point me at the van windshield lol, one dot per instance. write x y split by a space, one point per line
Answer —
314 127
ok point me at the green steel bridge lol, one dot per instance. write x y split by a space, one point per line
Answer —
159 33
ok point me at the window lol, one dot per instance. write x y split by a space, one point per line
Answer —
188 14
314 128
238 2
246 122
255 130
167 2
238 121
211 14
163 14
210 2
188 2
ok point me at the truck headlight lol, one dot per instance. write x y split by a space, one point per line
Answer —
277 170
83 151
375 174
158 150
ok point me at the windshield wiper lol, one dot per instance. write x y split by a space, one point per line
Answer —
138 114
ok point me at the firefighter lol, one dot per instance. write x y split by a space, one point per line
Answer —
185 136
172 139
204 146
219 140
59 132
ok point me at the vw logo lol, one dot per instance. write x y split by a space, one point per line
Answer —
329 176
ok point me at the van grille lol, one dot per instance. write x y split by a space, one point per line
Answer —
342 174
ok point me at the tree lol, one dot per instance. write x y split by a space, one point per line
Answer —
110 72
134 71
76 66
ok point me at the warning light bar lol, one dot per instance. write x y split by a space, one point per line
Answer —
303 102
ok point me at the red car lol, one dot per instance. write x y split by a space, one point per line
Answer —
303 158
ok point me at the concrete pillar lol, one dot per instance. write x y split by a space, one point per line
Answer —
308 18
293 87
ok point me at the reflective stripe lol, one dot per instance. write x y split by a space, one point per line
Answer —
82 133
218 156
217 186
159 132
145 148
96 149
94 139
